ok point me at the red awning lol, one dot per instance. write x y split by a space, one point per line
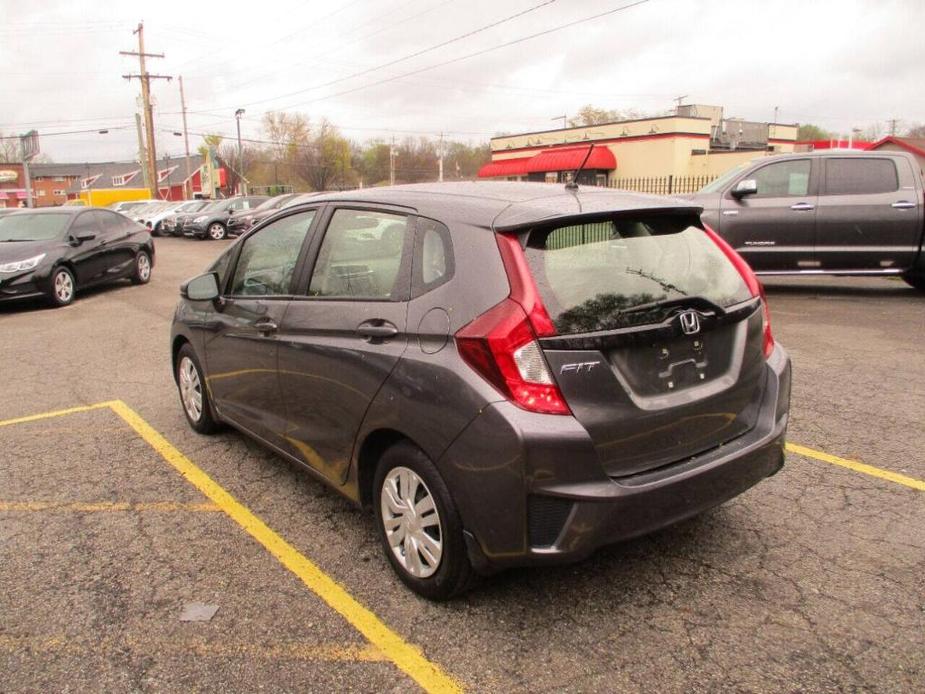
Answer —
570 158
505 167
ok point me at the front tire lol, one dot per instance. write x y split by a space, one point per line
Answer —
142 272
418 524
194 396
915 280
63 287
217 231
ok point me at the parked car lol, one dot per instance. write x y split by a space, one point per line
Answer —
54 252
507 374
172 224
212 221
125 205
832 212
242 220
153 216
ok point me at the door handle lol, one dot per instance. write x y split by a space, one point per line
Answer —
903 205
376 329
803 207
266 326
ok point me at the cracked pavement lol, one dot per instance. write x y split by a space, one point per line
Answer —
813 581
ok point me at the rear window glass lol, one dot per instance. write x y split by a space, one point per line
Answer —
616 273
855 176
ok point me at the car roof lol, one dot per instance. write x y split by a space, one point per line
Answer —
505 204
63 209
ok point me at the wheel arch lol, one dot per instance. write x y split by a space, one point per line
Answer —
175 348
370 451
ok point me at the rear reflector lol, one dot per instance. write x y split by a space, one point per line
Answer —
752 282
501 344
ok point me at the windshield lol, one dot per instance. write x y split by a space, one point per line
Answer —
192 206
213 206
720 183
33 227
615 274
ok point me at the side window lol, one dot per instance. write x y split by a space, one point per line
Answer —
360 256
783 179
111 223
268 258
84 222
856 176
432 264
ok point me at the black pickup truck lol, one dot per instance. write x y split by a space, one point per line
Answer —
836 212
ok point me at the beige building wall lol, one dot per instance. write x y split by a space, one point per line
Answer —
651 147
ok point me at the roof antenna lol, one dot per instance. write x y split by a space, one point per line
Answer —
573 183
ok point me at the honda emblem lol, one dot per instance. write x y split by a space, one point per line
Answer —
690 322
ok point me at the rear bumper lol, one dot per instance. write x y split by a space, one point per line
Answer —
531 490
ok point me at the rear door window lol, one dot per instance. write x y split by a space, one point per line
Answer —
619 273
850 176
361 256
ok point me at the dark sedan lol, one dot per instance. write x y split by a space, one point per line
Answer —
56 252
241 221
212 221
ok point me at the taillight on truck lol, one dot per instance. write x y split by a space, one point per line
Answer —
501 344
752 282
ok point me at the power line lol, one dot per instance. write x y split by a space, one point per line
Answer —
100 131
342 46
416 54
490 49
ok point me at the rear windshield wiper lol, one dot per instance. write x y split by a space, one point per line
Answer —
698 302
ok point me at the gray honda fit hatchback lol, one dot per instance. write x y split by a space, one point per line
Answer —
507 374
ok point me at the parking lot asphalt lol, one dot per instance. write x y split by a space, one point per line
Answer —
812 581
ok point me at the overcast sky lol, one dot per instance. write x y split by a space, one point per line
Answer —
834 63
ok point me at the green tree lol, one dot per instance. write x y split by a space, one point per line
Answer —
808 131
594 115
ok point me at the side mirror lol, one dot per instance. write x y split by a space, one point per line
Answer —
84 236
748 186
201 288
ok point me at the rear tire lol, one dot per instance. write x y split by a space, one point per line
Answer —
915 280
62 287
217 231
142 272
194 395
418 524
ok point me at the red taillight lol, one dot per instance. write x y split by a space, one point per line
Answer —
752 282
501 344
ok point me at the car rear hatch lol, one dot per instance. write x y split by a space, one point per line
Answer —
658 341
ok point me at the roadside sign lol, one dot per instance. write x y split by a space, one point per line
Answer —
30 145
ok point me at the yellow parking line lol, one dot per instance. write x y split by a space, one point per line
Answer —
856 466
55 413
92 507
408 658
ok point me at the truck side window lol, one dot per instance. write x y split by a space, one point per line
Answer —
848 176
783 179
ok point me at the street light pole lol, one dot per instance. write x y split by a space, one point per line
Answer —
242 186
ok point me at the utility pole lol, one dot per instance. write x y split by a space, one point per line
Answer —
242 185
392 163
142 153
440 160
678 100
893 122
146 78
188 185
